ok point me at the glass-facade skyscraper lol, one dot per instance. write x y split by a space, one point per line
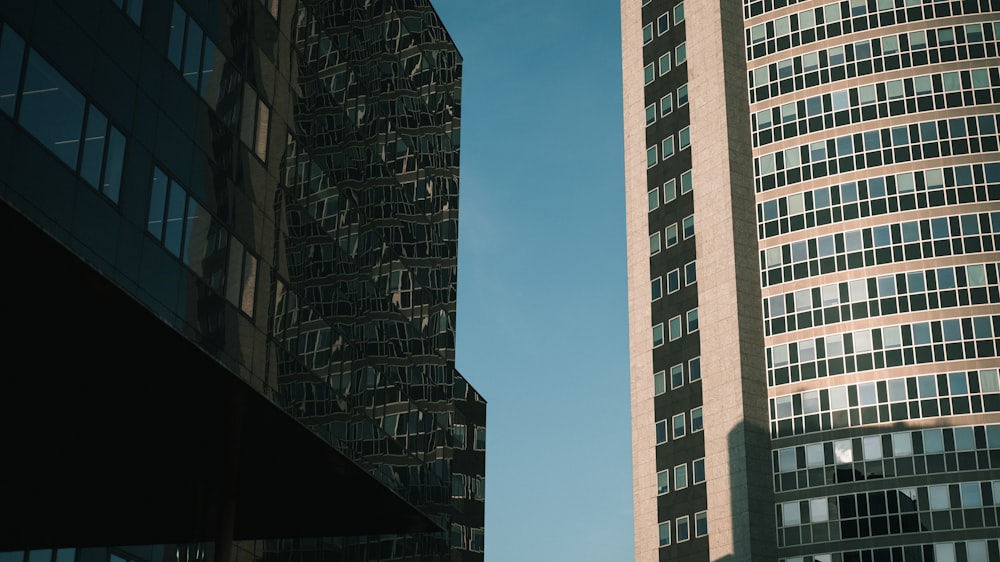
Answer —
814 305
237 222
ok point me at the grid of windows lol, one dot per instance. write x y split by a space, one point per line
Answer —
881 54
877 147
907 453
929 289
880 100
918 343
973 551
892 511
885 401
879 195
840 18
973 233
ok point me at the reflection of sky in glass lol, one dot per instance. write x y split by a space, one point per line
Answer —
51 109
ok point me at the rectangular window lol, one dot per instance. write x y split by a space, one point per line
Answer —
683 530
675 328
658 335
647 33
701 524
679 424
688 226
650 114
11 61
669 191
686 185
654 198
668 147
694 369
673 281
682 95
663 482
664 62
672 237
680 476
666 105
659 383
665 533
649 73
651 156
657 288
677 376
678 13
663 24
661 432
698 471
654 243
690 273
684 138
51 109
692 321
681 53
696 421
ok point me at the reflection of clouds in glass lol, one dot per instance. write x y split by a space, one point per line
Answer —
842 452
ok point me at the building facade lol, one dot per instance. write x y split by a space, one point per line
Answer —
814 375
254 205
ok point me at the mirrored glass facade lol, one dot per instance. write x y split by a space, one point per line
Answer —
274 182
842 161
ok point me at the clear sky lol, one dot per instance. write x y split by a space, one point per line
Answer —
542 319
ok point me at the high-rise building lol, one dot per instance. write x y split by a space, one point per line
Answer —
232 232
814 373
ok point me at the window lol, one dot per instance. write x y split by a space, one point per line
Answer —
694 369
682 95
647 33
686 185
690 273
658 335
688 226
681 476
675 328
480 443
654 243
701 524
673 281
671 235
665 533
684 138
654 198
651 156
669 191
696 421
683 530
666 105
679 424
131 7
662 24
650 114
661 432
698 471
656 286
678 13
668 147
649 73
681 53
692 321
659 383
677 376
663 482
51 109
664 62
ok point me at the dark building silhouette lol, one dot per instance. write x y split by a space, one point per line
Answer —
236 224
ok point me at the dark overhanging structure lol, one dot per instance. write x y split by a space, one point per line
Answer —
236 306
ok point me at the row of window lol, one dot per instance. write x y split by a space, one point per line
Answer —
676 427
682 529
676 327
666 104
889 52
907 453
205 69
889 243
878 147
667 147
887 346
680 477
935 187
888 512
200 241
465 486
752 8
881 100
885 401
671 235
673 280
59 117
888 294
840 18
662 22
649 73
676 376
962 551
670 190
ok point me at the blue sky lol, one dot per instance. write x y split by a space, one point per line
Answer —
542 313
